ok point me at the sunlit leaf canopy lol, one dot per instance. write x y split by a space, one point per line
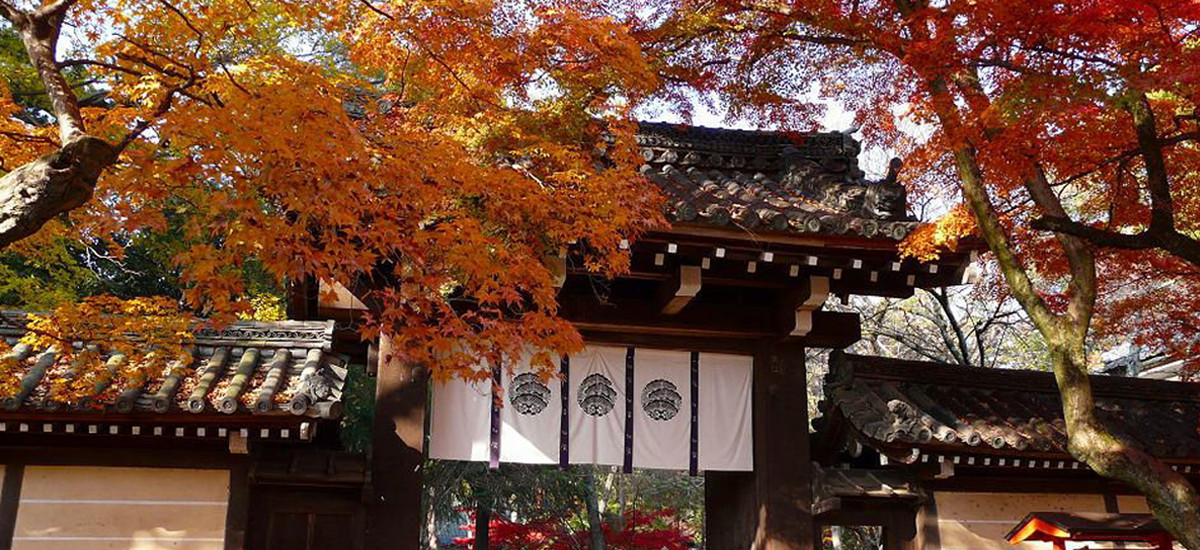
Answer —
434 152
1041 82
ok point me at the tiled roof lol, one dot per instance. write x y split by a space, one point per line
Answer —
770 181
894 405
247 368
854 482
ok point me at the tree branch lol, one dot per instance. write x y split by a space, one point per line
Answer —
1082 263
943 300
1172 242
186 21
9 12
1161 232
822 40
1162 208
39 33
54 9
89 62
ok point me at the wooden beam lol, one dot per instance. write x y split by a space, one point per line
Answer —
697 231
678 343
628 317
237 515
679 291
782 273
971 270
730 501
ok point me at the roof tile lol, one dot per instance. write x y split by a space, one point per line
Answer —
965 408
771 181
256 368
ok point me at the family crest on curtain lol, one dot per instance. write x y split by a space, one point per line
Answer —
621 406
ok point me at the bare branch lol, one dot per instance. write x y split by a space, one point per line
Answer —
823 40
1072 55
943 300
28 93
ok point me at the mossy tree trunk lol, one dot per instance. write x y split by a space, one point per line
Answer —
1171 496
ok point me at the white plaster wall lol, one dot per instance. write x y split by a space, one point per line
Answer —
979 521
76 508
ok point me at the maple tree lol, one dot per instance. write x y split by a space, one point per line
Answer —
431 155
638 531
1069 131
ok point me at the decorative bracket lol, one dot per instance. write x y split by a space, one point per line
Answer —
797 318
680 290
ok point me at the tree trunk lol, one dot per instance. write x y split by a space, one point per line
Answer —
483 520
64 179
39 34
1173 499
595 523
430 534
58 182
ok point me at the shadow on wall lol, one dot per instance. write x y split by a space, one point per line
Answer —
78 507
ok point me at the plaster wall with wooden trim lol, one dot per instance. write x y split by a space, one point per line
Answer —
85 507
238 451
980 521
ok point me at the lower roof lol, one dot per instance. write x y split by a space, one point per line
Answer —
833 486
244 370
907 408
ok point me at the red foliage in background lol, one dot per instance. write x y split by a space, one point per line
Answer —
641 531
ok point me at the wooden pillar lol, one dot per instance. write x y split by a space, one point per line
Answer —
397 453
782 467
771 507
237 516
902 528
